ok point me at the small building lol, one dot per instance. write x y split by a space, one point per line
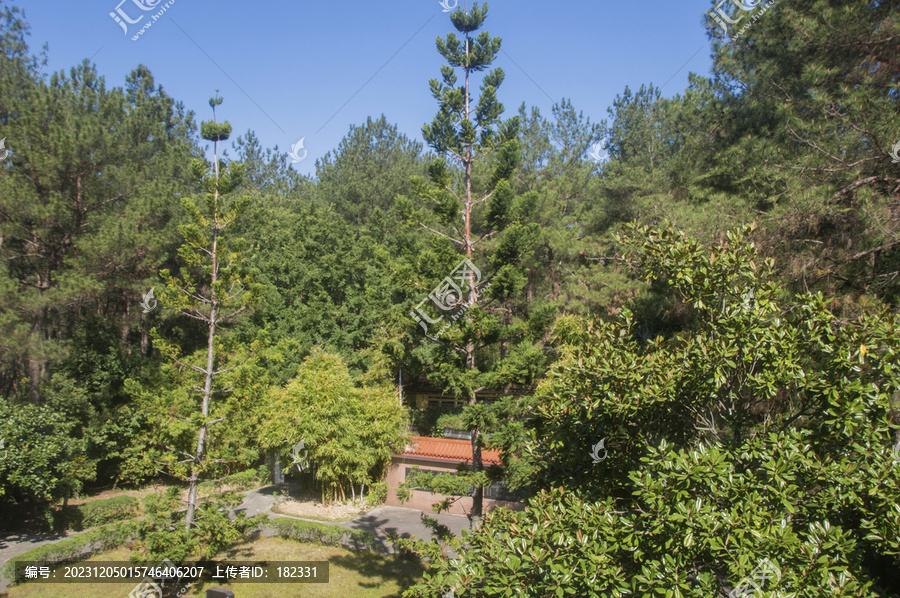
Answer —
443 455
421 394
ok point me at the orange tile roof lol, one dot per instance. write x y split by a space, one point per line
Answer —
448 449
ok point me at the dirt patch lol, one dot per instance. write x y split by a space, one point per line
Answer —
140 493
312 509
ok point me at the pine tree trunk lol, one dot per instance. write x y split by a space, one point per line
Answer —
36 365
123 336
145 342
477 514
207 385
478 497
35 373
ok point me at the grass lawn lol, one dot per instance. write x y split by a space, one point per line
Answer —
351 574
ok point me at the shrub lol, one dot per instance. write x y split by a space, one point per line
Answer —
94 513
451 421
164 501
308 531
377 494
101 512
264 475
426 420
243 480
44 459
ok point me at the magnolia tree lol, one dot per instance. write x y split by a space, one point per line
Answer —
756 450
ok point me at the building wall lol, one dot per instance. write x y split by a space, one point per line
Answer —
423 500
424 399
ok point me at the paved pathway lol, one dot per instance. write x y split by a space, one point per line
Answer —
381 520
406 522
14 544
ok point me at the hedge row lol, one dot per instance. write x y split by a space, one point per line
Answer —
114 535
330 535
94 513
78 547
244 480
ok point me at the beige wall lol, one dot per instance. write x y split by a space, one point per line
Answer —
421 399
423 500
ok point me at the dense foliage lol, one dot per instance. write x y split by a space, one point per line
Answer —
766 431
346 434
693 331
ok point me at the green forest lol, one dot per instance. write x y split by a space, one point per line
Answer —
701 289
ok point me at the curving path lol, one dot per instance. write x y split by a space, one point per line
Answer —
379 521
13 544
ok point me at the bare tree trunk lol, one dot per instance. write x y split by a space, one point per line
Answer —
36 365
123 336
210 375
477 514
478 497
35 373
145 342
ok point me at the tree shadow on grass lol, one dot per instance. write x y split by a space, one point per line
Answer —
375 526
365 569
380 569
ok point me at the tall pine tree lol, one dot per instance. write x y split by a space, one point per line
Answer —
469 134
213 288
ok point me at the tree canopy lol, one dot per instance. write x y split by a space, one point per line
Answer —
686 311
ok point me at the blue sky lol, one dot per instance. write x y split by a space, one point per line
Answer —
298 68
